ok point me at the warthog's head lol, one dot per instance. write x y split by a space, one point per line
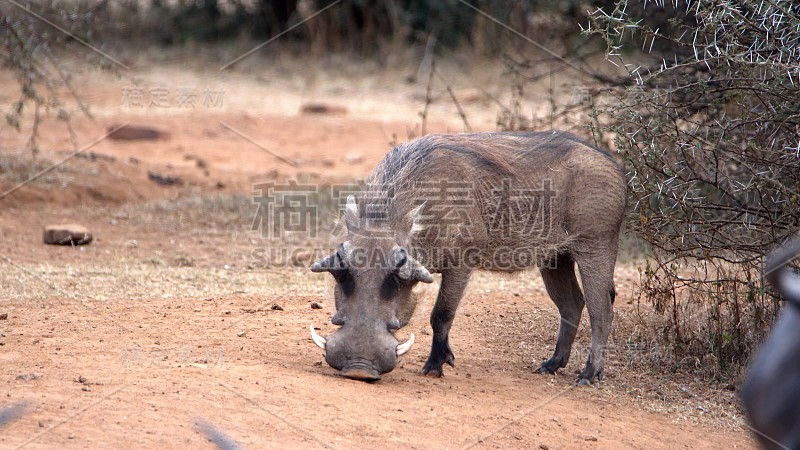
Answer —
374 276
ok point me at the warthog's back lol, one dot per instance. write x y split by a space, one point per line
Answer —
529 195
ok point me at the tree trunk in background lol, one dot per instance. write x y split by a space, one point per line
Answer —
276 15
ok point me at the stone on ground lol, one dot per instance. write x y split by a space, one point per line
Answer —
67 234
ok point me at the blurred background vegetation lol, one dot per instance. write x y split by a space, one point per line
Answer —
700 103
358 25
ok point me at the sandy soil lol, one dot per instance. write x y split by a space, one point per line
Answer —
167 319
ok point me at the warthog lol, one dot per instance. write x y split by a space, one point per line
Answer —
456 203
771 391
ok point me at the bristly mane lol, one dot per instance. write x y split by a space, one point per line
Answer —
406 161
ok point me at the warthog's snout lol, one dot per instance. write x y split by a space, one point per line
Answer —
366 358
361 372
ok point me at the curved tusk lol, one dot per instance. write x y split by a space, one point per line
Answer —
405 346
319 340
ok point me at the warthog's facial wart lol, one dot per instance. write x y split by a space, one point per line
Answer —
374 298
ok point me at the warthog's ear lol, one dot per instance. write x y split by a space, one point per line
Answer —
413 217
325 264
408 268
351 216
331 263
411 225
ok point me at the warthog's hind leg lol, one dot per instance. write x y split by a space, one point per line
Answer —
597 275
452 289
562 286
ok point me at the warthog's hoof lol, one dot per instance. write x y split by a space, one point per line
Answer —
587 377
435 370
432 371
440 354
550 366
433 367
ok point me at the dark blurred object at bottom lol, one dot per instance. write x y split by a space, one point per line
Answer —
771 391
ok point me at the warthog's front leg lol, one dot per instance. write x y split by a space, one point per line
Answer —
444 311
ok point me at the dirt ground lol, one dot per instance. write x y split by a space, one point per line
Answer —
168 319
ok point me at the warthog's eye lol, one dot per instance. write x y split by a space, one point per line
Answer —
390 286
345 280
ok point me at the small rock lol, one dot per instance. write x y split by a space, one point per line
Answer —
92 156
29 376
316 305
277 308
241 334
183 261
135 133
82 379
86 388
67 234
4 316
164 180
322 108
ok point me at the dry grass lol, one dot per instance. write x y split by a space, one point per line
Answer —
17 168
